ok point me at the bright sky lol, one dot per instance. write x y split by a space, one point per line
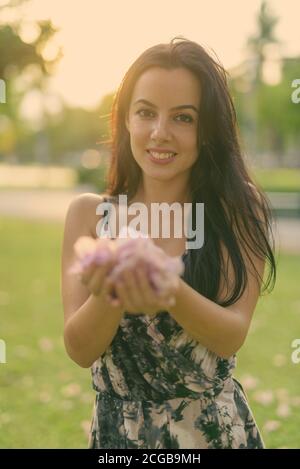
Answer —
101 39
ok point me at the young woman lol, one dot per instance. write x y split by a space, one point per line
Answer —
163 376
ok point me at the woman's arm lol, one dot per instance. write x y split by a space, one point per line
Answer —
90 330
220 329
90 323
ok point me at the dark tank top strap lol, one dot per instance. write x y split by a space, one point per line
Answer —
112 199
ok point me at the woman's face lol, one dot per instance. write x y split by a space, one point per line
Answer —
156 124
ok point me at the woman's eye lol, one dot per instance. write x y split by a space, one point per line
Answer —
189 118
145 113
141 111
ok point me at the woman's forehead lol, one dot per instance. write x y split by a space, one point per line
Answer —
176 85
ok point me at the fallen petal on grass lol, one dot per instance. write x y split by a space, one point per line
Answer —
71 390
44 397
85 425
279 360
249 382
264 397
282 395
295 401
64 376
66 405
283 410
271 426
87 397
46 344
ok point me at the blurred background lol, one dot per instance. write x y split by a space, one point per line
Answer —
60 65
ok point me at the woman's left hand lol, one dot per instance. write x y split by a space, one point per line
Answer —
136 295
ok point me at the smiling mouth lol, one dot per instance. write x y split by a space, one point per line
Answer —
161 156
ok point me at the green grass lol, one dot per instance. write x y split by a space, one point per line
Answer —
46 399
278 179
35 383
266 356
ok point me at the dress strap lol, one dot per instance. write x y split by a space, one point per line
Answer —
109 198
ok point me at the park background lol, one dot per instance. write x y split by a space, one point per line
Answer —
60 65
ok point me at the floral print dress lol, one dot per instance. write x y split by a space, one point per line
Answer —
157 388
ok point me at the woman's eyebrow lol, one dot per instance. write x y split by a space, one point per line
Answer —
182 106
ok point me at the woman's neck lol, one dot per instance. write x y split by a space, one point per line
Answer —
158 192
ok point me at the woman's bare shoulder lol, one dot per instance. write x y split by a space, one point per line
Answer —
83 207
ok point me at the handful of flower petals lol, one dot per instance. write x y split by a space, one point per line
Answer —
130 249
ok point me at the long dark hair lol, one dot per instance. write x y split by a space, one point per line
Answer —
236 211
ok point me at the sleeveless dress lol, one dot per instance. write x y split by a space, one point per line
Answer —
157 388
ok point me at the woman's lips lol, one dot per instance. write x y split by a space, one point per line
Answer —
162 161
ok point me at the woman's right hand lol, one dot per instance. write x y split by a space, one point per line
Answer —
93 276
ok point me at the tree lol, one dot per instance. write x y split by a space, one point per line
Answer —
258 46
265 35
18 58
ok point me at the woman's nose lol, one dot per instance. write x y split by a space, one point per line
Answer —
160 129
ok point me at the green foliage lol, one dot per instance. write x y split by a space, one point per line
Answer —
18 58
96 177
278 117
77 129
16 55
268 116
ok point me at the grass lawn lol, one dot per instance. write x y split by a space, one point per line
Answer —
46 400
278 179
